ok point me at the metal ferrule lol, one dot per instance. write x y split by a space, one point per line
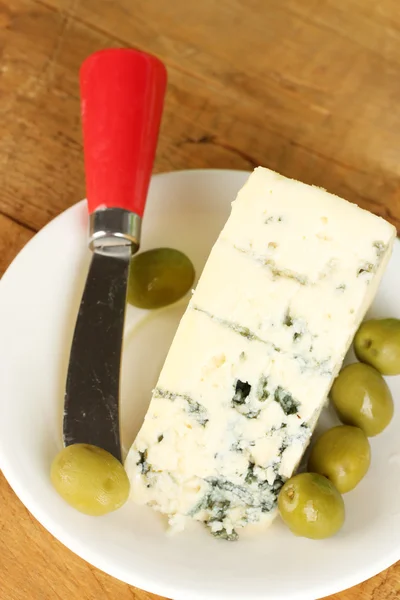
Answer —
110 227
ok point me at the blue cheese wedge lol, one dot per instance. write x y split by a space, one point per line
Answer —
282 294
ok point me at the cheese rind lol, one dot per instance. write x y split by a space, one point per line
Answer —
281 296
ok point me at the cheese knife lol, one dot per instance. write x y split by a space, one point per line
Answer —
122 95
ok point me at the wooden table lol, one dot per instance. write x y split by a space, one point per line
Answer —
310 88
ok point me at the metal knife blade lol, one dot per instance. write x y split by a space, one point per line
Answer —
91 404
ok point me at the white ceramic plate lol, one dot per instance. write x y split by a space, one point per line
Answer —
39 298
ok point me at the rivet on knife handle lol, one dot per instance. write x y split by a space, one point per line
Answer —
122 94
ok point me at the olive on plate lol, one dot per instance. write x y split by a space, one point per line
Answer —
362 398
159 277
343 455
311 506
377 343
90 479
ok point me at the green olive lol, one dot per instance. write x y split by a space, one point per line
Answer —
159 277
311 506
362 398
377 343
90 479
343 455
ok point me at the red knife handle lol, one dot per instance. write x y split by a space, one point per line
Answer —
122 96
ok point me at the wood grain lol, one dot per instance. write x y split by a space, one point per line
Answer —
307 87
